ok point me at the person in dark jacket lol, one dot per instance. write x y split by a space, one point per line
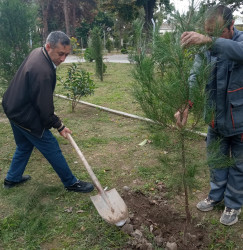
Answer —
225 103
28 104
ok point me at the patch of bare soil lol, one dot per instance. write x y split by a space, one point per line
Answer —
153 216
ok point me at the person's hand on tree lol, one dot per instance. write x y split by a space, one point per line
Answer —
189 38
181 117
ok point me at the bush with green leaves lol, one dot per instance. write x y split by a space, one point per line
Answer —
88 55
75 47
124 51
109 45
78 84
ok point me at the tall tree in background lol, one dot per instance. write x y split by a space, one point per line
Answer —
233 4
150 6
76 11
17 21
123 12
66 15
44 10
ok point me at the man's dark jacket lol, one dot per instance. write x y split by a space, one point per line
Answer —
28 101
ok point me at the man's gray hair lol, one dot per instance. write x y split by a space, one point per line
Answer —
56 37
223 11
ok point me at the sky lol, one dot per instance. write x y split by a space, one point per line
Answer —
182 5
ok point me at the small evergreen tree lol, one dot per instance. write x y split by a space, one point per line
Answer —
97 52
16 36
161 74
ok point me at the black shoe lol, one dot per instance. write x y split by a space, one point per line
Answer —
81 186
10 184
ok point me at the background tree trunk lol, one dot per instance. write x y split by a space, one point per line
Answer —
66 15
44 8
149 12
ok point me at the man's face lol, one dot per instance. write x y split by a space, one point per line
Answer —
216 28
59 53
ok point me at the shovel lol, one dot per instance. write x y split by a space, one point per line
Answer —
109 204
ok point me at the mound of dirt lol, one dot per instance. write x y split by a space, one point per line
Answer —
154 223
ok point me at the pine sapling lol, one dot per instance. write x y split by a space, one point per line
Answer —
97 52
162 87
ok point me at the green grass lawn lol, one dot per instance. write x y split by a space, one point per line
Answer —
41 215
114 92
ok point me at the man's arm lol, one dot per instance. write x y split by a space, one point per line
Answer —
189 38
228 49
225 48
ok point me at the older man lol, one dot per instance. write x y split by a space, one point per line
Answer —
224 109
28 103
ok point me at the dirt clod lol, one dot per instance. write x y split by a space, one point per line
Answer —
126 188
159 241
171 246
128 229
137 234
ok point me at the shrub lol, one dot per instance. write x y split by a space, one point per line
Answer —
124 51
77 52
78 83
104 68
88 55
109 45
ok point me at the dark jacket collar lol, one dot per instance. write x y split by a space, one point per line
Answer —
48 58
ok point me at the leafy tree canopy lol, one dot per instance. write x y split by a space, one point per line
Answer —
17 31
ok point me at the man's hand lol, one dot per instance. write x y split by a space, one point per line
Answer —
65 131
181 117
193 38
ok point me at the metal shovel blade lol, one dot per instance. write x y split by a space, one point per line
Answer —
112 208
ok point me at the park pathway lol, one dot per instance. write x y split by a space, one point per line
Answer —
116 58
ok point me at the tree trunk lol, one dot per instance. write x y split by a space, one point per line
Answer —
183 160
73 6
149 6
44 9
73 20
66 15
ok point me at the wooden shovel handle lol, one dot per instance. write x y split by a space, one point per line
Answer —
87 166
